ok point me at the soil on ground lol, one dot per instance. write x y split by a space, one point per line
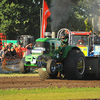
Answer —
37 82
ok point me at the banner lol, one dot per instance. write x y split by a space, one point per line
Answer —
11 64
45 15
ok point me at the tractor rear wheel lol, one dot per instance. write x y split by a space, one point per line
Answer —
51 68
74 65
23 69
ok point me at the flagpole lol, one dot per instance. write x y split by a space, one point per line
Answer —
41 20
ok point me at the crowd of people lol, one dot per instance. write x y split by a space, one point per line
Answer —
12 51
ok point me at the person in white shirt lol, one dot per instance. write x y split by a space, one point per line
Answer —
2 54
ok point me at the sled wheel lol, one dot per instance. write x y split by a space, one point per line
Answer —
23 69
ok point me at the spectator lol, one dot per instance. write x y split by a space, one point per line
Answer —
9 45
6 47
19 51
14 46
29 48
13 51
8 53
2 54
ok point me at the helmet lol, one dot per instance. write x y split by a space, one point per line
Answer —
63 34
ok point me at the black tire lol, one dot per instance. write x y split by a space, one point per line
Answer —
74 65
43 73
51 68
53 76
23 69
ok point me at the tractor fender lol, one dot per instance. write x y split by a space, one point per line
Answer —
68 49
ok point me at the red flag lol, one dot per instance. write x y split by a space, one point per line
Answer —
46 14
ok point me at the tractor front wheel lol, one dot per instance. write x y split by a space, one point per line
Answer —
51 68
43 73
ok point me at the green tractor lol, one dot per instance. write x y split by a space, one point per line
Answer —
50 58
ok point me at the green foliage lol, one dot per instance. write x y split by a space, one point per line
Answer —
6 13
88 25
80 18
75 22
22 17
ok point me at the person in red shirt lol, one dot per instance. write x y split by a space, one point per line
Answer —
19 51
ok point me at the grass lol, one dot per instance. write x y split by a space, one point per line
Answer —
19 74
50 93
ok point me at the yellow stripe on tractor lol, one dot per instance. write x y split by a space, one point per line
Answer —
84 50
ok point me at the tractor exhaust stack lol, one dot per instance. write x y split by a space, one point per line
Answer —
53 34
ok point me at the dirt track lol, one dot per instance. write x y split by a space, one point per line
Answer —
36 82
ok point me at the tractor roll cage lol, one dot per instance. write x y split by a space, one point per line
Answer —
61 31
71 33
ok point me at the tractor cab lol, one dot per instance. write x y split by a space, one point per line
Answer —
81 40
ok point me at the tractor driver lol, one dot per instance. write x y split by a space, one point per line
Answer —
80 41
64 40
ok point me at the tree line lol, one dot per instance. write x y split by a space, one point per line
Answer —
22 17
